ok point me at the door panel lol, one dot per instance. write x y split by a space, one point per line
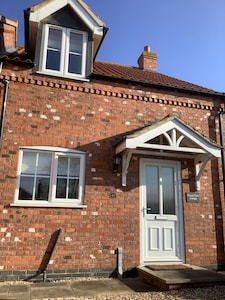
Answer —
161 218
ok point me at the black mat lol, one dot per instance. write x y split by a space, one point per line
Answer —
167 267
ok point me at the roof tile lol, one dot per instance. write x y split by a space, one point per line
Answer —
136 74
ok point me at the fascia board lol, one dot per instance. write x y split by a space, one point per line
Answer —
87 18
149 134
121 146
202 142
49 8
132 142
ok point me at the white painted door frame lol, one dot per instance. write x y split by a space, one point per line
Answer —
178 225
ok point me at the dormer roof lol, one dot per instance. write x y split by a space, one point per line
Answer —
42 10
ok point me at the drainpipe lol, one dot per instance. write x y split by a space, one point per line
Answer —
119 262
222 144
5 94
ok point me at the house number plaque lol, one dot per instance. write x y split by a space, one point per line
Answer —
192 197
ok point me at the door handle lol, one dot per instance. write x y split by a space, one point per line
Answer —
145 209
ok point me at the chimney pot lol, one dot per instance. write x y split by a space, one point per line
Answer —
147 49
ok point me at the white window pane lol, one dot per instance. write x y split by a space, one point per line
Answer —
73 189
75 53
62 166
31 183
74 167
26 188
168 191
152 189
44 164
54 49
42 188
67 185
61 188
53 60
28 163
76 43
54 39
75 64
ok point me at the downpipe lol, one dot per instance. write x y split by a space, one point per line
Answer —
5 95
222 145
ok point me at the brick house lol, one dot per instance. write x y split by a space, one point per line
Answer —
102 161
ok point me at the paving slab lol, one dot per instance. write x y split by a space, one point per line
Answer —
72 288
51 290
4 292
101 287
15 292
105 287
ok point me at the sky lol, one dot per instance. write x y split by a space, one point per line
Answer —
187 35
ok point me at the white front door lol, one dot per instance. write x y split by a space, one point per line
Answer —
161 211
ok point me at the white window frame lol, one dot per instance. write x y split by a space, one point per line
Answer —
52 200
64 59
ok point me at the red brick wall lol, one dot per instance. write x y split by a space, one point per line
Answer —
87 116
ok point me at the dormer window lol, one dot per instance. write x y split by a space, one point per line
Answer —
64 51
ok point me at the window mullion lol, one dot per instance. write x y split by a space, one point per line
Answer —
64 51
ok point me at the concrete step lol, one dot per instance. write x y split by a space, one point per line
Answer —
170 277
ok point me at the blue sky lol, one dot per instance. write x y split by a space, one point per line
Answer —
187 35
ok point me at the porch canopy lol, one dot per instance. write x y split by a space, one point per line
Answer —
170 137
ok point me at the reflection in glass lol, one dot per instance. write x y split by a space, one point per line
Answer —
62 166
61 188
68 178
168 191
75 53
73 189
74 166
35 176
26 188
42 188
54 49
28 163
44 164
152 189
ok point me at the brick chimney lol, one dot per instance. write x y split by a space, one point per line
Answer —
147 59
8 35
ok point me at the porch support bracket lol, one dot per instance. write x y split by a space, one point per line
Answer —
199 169
126 157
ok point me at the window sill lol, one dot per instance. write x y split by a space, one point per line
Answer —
80 78
49 205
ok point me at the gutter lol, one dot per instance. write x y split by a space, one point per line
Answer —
17 61
156 85
5 95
